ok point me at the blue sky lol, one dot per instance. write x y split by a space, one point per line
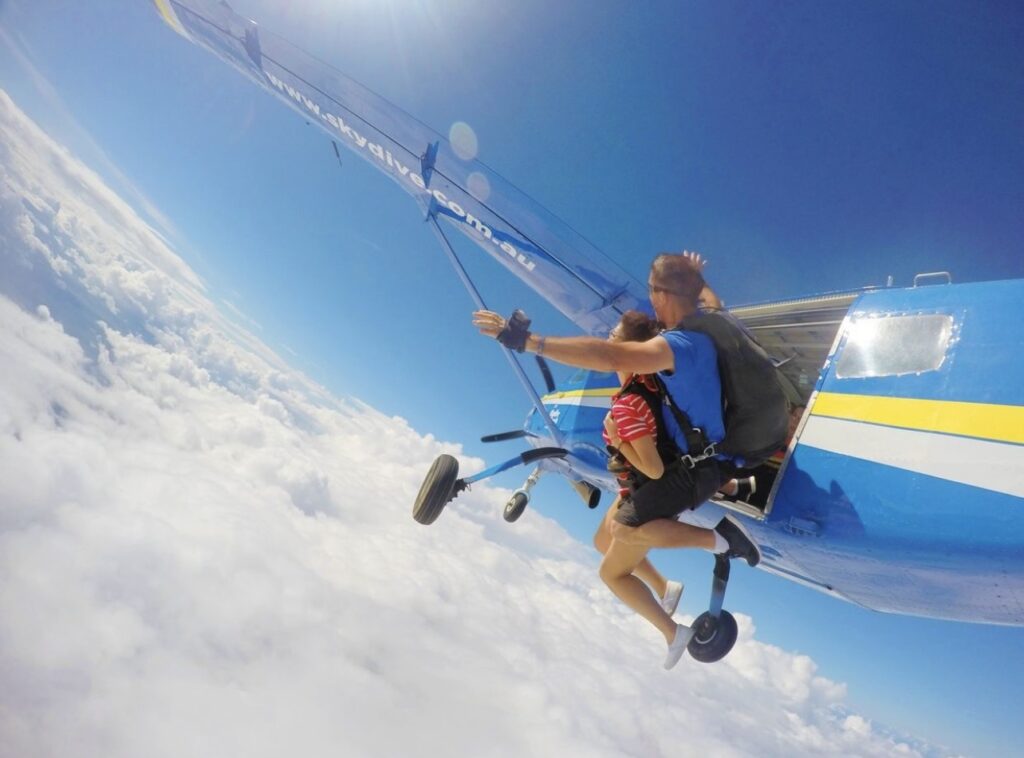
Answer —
801 147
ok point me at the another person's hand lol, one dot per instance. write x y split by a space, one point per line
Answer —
696 259
489 323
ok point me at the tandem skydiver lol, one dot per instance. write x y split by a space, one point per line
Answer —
686 362
639 448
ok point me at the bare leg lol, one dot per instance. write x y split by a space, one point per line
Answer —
645 569
666 532
617 572
731 487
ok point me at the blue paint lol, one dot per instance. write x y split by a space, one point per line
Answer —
523 236
984 363
895 540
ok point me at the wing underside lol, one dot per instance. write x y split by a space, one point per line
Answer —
541 250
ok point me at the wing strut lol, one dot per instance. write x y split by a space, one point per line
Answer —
556 433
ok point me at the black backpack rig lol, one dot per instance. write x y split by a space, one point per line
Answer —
755 408
754 403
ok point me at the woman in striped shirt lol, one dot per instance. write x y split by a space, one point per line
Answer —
632 430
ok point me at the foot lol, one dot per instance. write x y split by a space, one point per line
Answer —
745 488
677 646
670 600
742 489
740 545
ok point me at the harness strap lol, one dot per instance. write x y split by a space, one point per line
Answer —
667 448
698 446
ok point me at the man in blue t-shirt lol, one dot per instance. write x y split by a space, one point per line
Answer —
694 385
687 363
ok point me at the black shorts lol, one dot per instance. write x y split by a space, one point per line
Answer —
679 489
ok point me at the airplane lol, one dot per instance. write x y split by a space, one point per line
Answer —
902 487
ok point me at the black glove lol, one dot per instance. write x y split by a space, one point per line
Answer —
516 332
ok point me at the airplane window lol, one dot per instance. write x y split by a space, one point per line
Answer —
894 345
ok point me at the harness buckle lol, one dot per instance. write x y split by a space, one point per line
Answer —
690 461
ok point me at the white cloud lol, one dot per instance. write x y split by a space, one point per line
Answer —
202 553
20 51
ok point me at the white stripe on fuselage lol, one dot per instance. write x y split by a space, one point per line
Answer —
990 465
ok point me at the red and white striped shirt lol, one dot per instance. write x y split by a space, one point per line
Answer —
633 418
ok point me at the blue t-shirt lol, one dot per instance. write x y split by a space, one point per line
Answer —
694 386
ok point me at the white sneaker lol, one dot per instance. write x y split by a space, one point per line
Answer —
673 591
684 634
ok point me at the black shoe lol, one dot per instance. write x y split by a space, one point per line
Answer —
740 545
745 488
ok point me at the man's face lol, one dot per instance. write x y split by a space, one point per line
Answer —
657 294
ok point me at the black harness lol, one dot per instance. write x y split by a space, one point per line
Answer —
654 393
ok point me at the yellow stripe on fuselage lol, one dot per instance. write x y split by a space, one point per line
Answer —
1002 423
603 392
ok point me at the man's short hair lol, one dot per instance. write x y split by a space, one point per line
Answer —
679 275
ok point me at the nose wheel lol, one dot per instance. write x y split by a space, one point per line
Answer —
715 630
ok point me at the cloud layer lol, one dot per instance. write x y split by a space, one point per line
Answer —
203 553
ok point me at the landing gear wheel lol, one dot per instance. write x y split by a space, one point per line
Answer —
713 638
437 491
515 506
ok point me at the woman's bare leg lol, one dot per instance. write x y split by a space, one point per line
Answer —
645 569
617 569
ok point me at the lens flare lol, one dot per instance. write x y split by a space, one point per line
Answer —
463 140
478 186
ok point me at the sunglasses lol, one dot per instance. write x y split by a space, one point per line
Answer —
652 288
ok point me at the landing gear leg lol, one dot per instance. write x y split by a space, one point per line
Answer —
517 503
442 484
715 630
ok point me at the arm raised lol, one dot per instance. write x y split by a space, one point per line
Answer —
589 352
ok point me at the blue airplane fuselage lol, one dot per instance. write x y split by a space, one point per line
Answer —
903 488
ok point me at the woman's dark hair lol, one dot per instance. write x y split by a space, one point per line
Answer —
637 326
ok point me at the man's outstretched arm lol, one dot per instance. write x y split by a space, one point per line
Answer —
589 352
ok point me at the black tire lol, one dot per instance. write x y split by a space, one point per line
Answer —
515 506
713 638
437 491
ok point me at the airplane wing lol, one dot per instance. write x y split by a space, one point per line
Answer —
541 250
